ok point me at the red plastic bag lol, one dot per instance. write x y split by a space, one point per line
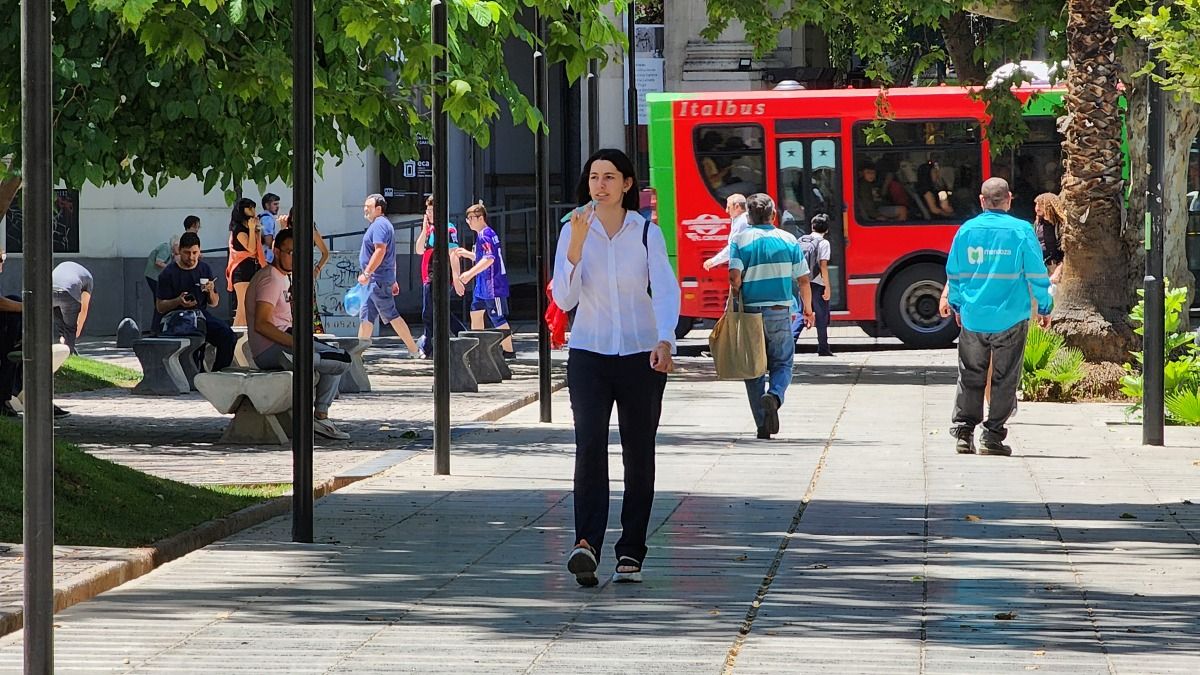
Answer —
556 320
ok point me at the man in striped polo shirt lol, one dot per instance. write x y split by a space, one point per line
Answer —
763 262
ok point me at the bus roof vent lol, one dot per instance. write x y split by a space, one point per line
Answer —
789 85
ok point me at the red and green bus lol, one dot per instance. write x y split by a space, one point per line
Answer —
898 202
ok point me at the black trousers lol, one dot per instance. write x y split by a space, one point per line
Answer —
1006 351
596 382
10 339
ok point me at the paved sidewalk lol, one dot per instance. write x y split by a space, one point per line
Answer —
856 542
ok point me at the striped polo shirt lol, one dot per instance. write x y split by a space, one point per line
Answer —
770 260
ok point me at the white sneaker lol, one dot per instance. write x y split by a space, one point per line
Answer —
328 430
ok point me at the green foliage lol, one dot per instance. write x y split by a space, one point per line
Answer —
150 90
1173 31
1050 369
1181 366
1183 407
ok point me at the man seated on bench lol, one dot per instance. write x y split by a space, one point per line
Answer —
188 284
268 330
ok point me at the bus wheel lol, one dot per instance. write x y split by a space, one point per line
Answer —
910 307
684 327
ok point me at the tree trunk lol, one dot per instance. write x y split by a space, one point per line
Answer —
1094 297
1182 117
959 36
8 190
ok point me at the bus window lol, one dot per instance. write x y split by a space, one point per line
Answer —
1034 167
930 173
730 159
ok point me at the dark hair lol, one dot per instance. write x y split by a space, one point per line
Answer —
819 223
631 201
378 200
268 198
188 240
761 207
190 221
866 164
238 217
925 179
282 237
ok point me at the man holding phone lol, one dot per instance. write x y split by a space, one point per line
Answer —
187 283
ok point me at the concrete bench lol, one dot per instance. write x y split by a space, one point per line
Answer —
491 348
242 356
162 369
480 360
356 379
461 377
58 356
187 360
261 403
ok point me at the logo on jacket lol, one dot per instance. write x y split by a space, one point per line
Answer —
975 255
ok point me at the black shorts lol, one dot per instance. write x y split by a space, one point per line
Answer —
244 272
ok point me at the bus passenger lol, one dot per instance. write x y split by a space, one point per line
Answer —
612 268
866 197
932 191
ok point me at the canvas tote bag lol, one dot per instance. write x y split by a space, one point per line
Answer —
737 343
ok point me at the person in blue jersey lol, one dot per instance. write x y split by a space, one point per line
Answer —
764 263
994 265
490 297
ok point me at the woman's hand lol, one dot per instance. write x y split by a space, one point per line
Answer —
660 358
581 219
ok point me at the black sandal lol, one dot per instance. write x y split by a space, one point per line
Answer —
582 563
632 573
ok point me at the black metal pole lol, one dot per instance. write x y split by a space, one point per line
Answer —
441 251
593 106
541 155
1153 334
631 132
37 153
302 270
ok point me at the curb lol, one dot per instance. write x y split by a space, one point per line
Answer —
89 584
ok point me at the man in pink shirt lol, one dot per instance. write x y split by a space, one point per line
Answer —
269 326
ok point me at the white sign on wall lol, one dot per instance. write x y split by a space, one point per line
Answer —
648 66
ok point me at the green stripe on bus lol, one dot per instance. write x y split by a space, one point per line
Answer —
661 138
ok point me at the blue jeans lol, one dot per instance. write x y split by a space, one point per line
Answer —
781 353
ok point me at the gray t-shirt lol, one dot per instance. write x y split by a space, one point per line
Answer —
72 278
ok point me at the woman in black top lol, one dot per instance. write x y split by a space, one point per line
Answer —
245 254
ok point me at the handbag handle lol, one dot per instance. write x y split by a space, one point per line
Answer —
734 302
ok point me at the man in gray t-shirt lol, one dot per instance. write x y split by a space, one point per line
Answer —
72 298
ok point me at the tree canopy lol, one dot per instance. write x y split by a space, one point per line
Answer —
150 90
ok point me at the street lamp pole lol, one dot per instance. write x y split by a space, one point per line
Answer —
542 216
631 139
1153 337
441 250
302 270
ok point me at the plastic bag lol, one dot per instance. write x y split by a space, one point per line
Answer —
354 299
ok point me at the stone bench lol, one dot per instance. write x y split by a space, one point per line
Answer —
461 377
355 380
483 365
490 348
261 403
163 371
58 356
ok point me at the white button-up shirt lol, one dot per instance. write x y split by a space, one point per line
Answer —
738 225
615 315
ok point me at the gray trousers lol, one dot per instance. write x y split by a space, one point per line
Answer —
66 318
1006 350
330 362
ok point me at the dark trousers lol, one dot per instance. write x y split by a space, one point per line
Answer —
821 310
66 318
153 284
1006 350
596 382
10 340
429 339
221 336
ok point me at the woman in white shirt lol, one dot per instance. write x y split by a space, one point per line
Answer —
612 268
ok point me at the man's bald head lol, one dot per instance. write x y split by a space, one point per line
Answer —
994 194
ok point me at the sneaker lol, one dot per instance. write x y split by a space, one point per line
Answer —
582 563
59 412
994 447
965 444
763 435
328 430
770 404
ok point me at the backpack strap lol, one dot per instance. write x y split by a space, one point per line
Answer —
645 234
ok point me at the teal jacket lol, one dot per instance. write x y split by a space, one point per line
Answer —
995 263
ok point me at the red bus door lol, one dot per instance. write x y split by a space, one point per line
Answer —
810 183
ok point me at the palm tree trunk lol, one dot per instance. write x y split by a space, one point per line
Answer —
1094 296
